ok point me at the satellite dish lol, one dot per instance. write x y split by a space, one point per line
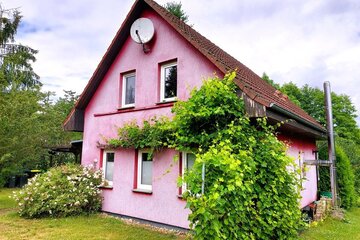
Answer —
142 30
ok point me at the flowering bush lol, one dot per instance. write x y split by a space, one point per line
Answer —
62 191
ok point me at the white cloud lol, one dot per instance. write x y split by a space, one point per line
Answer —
300 41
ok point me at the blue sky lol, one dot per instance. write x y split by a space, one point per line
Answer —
306 42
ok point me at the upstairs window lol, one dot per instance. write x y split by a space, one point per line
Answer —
188 160
108 166
145 167
128 90
168 84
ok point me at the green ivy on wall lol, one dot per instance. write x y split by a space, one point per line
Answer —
251 191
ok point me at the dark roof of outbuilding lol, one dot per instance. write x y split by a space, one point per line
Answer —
250 83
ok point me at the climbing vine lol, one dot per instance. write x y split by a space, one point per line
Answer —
251 185
153 134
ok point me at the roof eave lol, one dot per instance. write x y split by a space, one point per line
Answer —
282 115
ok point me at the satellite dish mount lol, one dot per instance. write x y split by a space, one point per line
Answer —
142 31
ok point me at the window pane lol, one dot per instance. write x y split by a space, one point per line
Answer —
109 166
130 90
170 82
190 160
146 169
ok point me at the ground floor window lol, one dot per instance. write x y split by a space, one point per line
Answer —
188 160
145 170
108 166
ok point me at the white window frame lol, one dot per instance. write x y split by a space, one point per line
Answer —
139 171
123 90
104 166
162 82
183 169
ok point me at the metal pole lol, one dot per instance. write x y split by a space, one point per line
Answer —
203 179
331 144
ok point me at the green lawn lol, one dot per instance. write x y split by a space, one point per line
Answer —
332 229
5 201
97 226
100 226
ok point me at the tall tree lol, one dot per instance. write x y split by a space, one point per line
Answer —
29 119
16 71
19 132
52 116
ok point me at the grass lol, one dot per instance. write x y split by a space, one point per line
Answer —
100 226
6 202
97 226
332 229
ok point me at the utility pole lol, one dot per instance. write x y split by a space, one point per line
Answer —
331 143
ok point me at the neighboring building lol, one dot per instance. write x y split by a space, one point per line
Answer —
129 83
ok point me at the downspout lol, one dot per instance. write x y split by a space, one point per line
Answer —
295 117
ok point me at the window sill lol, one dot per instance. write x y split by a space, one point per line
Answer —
125 108
166 101
106 187
142 191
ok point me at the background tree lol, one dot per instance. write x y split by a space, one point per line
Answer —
15 59
30 120
176 9
270 81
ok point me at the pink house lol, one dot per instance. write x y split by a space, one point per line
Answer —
136 83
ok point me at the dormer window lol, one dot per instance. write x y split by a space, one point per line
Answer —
168 82
128 90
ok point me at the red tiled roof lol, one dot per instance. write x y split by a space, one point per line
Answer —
250 83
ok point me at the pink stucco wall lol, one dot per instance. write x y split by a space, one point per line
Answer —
301 149
102 120
163 205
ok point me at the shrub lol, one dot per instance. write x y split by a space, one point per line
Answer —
62 191
352 150
345 179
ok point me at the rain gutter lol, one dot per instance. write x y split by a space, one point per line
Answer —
276 108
